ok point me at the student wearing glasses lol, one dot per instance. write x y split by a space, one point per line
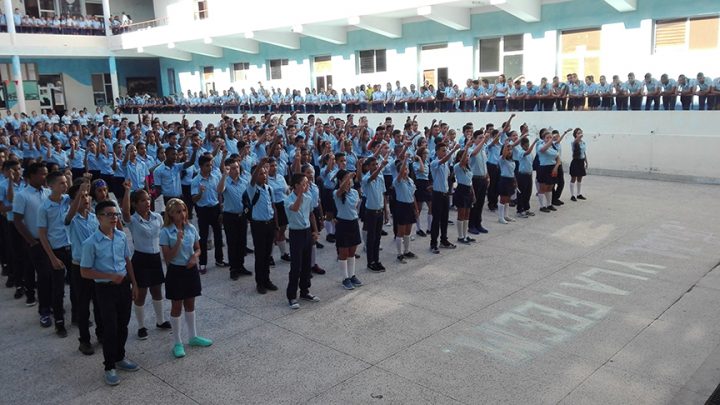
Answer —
106 260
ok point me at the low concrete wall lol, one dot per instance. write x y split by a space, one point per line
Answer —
664 145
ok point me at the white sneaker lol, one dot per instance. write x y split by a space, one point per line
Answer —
502 220
509 219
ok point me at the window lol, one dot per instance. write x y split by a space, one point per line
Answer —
239 71
94 9
275 68
580 52
172 84
28 71
372 61
502 55
202 8
687 34
102 89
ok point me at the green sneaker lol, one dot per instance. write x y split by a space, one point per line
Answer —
178 350
200 341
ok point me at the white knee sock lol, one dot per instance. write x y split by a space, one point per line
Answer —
406 244
548 198
466 225
541 200
459 225
572 189
140 315
398 245
344 267
190 320
351 266
429 219
282 245
507 209
501 212
417 224
313 255
329 227
176 325
159 315
578 188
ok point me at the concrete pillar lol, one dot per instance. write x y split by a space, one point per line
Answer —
17 77
114 78
106 16
9 16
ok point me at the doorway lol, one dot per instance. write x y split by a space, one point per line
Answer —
322 71
433 60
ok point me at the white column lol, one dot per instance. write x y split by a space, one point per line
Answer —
114 79
106 16
9 17
17 77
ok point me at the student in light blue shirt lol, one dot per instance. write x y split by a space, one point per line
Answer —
207 204
464 194
578 165
524 177
262 225
440 200
373 187
145 226
106 260
303 234
279 188
406 211
668 92
232 186
347 201
180 245
54 259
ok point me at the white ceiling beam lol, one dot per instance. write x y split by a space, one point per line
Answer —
388 27
334 35
164 52
623 5
457 18
200 49
526 10
238 44
289 40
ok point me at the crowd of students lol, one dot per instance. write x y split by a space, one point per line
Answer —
67 194
478 95
57 24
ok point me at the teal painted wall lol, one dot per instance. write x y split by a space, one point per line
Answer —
575 14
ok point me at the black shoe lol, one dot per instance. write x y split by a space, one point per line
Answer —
271 261
383 233
165 325
557 202
270 286
410 255
309 297
581 197
142 333
451 222
86 349
319 245
249 251
374 268
221 264
317 269
544 209
551 208
330 238
573 198
19 292
401 259
234 274
482 230
421 233
30 300
434 249
285 257
447 245
380 266
60 330
261 290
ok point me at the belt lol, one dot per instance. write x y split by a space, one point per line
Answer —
371 211
240 214
480 176
268 222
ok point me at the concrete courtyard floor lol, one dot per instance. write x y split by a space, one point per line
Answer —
613 300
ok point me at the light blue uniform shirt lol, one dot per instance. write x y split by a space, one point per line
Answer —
421 174
478 163
373 192
347 210
79 161
136 173
493 153
440 173
526 162
404 190
3 194
27 203
209 197
232 195
463 176
583 148
168 237
315 193
146 234
106 255
547 158
301 219
51 216
168 178
263 209
80 229
279 187
507 168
